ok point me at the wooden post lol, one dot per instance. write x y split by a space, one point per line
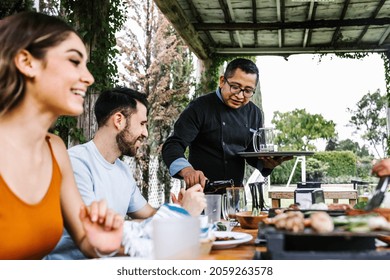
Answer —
387 81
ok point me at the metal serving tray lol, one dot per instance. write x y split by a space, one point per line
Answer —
275 154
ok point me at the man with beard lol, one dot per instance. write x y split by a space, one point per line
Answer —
121 115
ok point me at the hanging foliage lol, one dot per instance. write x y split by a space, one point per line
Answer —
99 36
386 62
9 7
157 62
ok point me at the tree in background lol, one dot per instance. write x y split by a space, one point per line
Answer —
9 7
298 129
155 60
369 120
347 145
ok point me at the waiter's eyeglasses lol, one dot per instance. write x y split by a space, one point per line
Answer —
235 89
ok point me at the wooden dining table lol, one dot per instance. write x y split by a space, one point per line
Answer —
245 251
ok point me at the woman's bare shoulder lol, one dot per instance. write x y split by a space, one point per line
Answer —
58 146
56 141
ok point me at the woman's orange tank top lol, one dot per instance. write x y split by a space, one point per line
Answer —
30 231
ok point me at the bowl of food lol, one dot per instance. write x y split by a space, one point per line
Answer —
248 221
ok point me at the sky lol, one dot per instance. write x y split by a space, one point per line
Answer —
327 87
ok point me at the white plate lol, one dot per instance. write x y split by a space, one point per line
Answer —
240 238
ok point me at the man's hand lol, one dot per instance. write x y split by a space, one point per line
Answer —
192 177
193 200
272 162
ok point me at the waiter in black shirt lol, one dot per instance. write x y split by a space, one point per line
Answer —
215 127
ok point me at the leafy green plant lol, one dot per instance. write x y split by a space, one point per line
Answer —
99 35
66 128
341 163
282 172
386 63
316 170
298 129
9 7
369 119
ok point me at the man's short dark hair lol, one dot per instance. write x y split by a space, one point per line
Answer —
246 65
119 99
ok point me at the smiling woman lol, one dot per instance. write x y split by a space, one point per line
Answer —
43 75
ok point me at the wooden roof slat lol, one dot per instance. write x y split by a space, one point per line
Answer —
228 19
291 25
310 17
374 14
384 36
198 17
231 13
254 19
336 34
177 17
280 15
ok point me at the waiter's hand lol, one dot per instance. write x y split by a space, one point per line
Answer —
192 177
272 162
193 200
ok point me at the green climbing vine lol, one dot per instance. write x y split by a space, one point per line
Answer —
386 62
97 23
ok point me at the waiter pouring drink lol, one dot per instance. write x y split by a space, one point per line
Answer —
216 127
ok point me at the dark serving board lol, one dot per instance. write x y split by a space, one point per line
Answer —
275 154
311 245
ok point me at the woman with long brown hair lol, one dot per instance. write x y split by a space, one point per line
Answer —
43 75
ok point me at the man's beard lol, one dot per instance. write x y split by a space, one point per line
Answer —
126 147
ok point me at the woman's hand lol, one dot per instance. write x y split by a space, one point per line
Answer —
103 227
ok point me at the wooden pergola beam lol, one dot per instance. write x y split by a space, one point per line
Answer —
173 11
291 25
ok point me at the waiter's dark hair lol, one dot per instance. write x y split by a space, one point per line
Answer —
246 65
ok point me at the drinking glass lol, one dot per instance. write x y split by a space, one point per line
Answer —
213 208
364 193
233 201
263 140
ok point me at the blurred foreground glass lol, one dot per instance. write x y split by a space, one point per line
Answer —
213 208
364 192
263 140
176 238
